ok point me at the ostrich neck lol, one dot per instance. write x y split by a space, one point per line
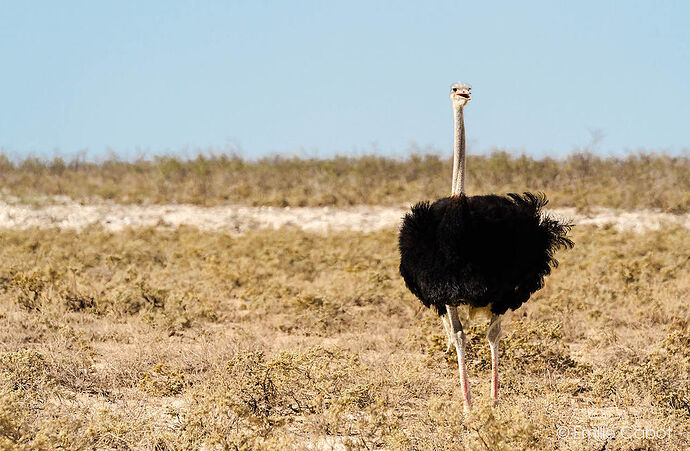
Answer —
458 186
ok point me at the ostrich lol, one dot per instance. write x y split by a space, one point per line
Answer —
488 251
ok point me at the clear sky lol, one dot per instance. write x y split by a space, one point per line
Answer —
318 78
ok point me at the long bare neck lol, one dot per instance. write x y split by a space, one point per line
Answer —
458 186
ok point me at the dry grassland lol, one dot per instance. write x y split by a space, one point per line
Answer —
186 339
580 180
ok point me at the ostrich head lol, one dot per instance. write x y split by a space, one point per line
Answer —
460 94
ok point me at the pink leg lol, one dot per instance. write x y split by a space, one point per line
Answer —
493 334
458 337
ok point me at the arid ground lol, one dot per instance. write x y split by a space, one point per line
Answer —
184 314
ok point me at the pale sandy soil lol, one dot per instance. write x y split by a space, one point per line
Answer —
67 214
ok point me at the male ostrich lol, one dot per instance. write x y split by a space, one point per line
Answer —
483 251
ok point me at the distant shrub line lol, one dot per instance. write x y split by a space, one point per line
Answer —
579 180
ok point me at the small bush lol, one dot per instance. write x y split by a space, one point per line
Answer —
162 381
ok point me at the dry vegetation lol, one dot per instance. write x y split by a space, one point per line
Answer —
283 339
579 180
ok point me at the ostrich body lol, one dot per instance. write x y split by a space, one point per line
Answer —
485 251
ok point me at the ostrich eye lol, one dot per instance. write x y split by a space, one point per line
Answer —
455 89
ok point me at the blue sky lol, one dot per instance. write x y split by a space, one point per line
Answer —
318 78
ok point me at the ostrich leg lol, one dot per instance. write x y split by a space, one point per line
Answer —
449 334
493 333
458 337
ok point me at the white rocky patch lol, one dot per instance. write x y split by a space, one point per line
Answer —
67 214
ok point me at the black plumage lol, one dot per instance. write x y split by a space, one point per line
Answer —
479 250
